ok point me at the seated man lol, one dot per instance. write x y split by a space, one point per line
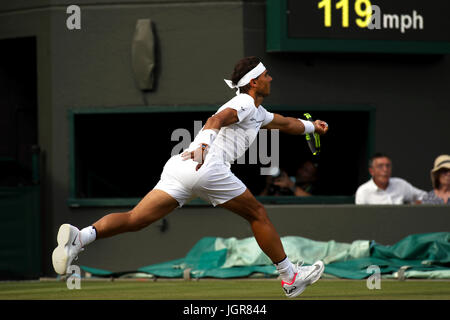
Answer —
383 189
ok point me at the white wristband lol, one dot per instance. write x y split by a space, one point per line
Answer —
206 136
309 126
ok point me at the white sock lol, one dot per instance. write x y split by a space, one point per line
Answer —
285 269
88 235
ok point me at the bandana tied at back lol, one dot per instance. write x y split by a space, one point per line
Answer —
252 74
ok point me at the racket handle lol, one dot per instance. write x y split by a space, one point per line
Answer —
312 139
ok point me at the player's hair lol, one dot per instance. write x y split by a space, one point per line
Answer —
376 156
242 68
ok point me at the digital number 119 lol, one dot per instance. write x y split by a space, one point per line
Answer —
363 9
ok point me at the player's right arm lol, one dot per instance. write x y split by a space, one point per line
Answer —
208 134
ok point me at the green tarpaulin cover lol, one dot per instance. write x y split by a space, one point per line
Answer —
420 256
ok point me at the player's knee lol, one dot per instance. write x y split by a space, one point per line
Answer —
260 213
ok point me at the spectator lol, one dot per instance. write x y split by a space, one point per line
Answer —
304 184
384 189
306 179
440 180
278 184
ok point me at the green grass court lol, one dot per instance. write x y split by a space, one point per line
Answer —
205 289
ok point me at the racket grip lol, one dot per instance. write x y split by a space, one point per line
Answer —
311 143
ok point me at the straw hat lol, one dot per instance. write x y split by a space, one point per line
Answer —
441 162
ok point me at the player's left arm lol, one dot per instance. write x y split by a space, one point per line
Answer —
294 126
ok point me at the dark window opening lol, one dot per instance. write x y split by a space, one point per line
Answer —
121 155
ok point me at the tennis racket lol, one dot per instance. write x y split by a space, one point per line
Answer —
312 139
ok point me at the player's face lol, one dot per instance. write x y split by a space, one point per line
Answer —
263 84
381 170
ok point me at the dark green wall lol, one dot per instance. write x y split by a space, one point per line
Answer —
20 235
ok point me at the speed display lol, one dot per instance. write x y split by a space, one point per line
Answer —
402 26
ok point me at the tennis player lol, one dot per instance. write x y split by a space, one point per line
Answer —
203 170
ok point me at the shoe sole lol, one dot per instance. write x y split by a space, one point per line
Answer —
60 257
298 292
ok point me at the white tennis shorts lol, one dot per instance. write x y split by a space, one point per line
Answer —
213 182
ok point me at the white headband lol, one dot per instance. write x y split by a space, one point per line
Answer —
252 74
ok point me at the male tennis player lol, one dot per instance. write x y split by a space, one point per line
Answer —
203 170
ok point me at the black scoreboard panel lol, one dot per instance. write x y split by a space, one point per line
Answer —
408 26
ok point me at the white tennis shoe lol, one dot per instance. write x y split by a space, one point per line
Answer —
69 246
303 277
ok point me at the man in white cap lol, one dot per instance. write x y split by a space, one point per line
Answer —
203 170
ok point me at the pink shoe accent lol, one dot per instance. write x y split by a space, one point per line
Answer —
293 280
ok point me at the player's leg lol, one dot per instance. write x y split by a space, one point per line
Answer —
294 279
265 234
155 205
